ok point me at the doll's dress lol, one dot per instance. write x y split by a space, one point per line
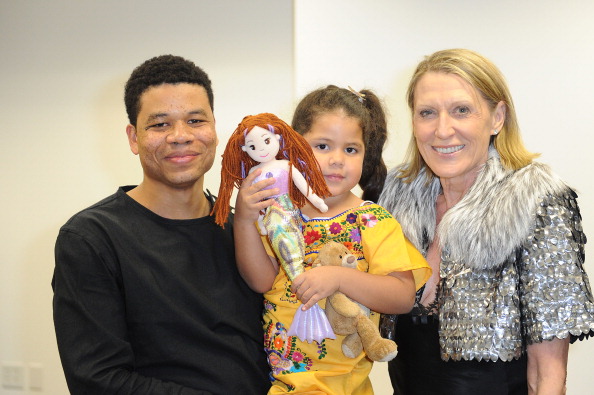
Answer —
282 221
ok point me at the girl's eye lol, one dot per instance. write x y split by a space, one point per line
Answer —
253 147
267 141
322 146
351 150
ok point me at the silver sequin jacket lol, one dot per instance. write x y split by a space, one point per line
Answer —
511 272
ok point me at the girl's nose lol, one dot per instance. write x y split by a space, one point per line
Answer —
336 159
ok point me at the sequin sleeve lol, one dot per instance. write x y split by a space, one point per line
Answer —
555 291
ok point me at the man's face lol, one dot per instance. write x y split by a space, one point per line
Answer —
174 136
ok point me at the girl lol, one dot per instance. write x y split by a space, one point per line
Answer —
347 131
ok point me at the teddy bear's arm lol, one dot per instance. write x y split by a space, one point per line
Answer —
343 305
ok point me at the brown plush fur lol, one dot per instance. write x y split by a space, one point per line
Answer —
349 318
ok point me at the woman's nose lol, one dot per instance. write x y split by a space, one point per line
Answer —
444 127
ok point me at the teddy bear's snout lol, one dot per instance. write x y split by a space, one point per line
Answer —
351 261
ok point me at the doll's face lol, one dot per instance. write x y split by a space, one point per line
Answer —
261 144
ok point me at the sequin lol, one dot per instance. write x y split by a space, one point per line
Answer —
493 314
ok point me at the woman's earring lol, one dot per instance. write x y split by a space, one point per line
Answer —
495 132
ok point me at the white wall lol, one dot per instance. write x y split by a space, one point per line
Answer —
543 48
63 65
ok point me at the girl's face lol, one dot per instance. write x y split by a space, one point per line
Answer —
261 144
337 142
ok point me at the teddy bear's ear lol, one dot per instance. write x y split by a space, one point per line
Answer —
317 262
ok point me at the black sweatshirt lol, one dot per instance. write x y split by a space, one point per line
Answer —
149 305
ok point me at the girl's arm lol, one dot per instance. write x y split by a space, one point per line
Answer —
390 294
257 268
302 185
547 366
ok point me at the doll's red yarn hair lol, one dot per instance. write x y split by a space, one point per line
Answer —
237 163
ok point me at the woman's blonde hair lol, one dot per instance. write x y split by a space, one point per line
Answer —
237 163
486 78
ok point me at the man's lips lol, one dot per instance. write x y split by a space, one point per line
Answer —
182 157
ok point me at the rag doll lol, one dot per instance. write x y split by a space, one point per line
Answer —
265 142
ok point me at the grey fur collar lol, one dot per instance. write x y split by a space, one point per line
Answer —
488 224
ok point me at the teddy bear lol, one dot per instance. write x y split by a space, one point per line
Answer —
350 318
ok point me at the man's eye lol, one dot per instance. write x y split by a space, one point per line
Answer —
156 126
194 121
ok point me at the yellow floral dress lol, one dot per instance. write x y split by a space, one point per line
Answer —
370 232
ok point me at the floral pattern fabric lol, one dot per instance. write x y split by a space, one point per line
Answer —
369 232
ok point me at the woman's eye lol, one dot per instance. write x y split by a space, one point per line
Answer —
462 110
425 113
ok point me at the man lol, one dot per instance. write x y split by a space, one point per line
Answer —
147 296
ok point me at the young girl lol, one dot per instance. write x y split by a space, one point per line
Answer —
347 131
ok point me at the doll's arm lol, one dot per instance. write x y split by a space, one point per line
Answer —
302 185
257 268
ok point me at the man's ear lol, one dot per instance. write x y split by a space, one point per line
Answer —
132 138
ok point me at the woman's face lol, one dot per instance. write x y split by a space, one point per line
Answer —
452 125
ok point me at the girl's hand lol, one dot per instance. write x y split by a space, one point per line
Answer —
316 284
252 198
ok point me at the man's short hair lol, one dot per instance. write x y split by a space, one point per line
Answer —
164 69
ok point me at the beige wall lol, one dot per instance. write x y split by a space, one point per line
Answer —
63 67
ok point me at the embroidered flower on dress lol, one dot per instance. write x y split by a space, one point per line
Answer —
369 220
356 235
351 218
312 236
297 356
335 228
278 343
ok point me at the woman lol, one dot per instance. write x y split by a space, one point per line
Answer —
503 236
